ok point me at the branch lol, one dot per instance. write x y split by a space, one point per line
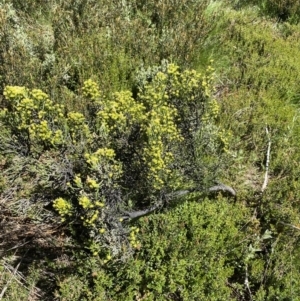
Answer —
136 214
139 213
177 194
224 188
247 282
290 225
10 280
264 186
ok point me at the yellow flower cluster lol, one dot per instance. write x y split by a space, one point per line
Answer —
77 181
40 131
99 204
214 108
157 161
189 81
77 119
90 90
105 152
15 92
90 221
173 70
91 216
63 207
160 125
38 95
132 237
85 202
108 257
89 201
155 113
34 112
88 198
101 154
121 112
104 170
224 137
92 183
78 127
212 112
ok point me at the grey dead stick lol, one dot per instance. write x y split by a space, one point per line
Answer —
220 187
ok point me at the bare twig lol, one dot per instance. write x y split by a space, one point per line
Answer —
18 246
9 281
263 279
177 194
247 282
140 213
136 214
18 277
289 225
264 186
224 188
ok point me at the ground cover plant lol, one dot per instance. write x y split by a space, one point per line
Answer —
149 151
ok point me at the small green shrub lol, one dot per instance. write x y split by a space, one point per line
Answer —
189 253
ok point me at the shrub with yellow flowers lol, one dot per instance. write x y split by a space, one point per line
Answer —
78 128
91 90
120 112
180 108
149 138
126 151
63 207
34 118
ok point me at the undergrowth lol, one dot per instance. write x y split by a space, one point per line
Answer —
81 156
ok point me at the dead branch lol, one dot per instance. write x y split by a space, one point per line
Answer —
289 225
10 280
264 186
136 214
224 188
140 213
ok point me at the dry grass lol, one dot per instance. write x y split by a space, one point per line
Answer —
25 249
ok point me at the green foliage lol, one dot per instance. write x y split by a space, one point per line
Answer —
189 253
57 45
259 89
259 86
283 10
